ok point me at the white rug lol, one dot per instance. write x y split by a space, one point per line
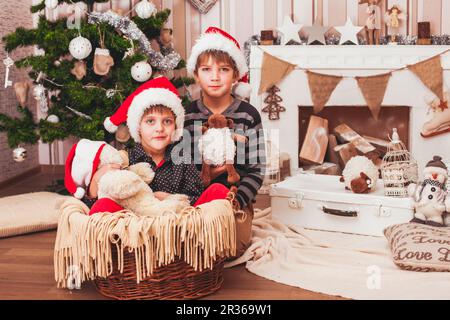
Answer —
351 266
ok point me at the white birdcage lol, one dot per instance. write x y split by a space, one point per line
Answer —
272 170
398 168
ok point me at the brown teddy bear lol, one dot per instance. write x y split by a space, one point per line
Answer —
217 147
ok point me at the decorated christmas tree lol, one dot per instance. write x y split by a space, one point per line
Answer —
85 67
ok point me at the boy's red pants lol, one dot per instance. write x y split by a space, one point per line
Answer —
215 191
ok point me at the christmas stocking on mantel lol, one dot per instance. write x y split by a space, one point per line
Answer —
440 122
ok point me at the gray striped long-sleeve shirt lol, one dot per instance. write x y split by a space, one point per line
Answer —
250 157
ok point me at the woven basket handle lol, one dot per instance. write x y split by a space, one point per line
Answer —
231 196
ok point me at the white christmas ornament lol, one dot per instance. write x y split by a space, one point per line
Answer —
80 48
19 154
289 31
51 4
145 9
141 71
53 118
349 32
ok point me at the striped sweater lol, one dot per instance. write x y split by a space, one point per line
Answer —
249 159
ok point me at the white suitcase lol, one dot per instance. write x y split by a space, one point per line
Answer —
321 202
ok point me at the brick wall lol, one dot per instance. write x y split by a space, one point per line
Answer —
14 14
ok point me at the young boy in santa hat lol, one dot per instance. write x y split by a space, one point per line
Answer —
155 117
219 68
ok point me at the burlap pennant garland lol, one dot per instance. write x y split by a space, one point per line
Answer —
321 87
373 89
273 71
430 72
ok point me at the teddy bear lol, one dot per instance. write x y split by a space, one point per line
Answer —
429 197
96 164
129 188
217 147
360 175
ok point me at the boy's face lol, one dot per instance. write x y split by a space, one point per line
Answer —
215 78
156 130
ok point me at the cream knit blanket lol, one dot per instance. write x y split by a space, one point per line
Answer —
83 243
347 265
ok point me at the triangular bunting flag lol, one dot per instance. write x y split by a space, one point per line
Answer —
431 73
273 70
321 87
373 89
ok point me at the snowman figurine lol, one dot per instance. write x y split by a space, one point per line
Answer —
429 197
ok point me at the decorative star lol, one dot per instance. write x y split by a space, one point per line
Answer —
443 105
289 31
316 32
348 32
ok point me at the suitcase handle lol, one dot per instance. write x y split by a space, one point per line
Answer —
340 213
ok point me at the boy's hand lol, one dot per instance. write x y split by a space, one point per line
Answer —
217 171
160 195
240 138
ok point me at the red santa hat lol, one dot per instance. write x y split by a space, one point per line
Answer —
83 161
217 39
158 91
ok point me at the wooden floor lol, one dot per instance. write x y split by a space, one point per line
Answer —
26 266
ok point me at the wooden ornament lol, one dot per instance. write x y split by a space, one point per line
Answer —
21 89
273 104
79 70
123 134
166 37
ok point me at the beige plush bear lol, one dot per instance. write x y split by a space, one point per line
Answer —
129 188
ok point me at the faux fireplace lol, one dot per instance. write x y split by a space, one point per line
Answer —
404 92
360 120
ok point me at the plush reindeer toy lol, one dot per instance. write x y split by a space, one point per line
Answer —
217 147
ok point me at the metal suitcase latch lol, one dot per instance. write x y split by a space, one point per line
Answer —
297 201
384 212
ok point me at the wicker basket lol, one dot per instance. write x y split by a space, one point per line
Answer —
177 280
184 259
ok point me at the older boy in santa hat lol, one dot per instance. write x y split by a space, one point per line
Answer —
219 68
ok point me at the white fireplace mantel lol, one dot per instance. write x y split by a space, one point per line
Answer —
404 88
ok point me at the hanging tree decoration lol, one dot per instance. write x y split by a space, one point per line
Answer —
21 89
79 69
39 94
102 59
131 30
273 100
80 47
141 71
51 4
19 154
8 62
145 9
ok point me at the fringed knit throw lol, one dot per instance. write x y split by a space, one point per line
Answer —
83 243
